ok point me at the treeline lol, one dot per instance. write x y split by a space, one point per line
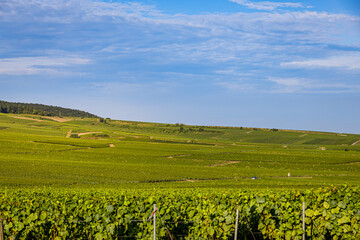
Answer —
43 110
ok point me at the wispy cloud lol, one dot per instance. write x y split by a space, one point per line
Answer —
347 62
288 82
132 37
37 65
282 85
87 10
301 85
269 6
235 86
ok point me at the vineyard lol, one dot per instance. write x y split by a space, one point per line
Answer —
82 178
331 213
37 151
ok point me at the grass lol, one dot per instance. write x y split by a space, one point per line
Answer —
123 154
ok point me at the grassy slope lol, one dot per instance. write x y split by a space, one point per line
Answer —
147 155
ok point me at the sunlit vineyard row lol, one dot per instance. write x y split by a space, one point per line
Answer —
331 213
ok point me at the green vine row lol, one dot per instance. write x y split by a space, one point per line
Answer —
331 213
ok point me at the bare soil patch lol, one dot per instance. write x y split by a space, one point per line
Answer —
302 177
292 177
348 163
111 145
180 155
68 133
355 143
26 118
85 133
223 164
57 119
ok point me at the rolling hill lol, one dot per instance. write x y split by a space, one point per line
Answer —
93 178
42 150
41 109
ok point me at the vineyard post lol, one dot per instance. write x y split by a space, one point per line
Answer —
1 229
303 218
236 223
154 221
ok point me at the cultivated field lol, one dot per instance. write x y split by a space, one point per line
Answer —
99 179
86 152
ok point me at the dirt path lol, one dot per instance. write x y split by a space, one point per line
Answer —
303 135
355 143
57 119
347 163
301 177
291 177
26 118
68 133
85 133
180 155
223 164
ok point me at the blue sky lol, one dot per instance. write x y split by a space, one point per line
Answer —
272 64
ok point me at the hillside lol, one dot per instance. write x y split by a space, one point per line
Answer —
42 151
100 178
43 110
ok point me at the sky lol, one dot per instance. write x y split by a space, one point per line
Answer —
290 64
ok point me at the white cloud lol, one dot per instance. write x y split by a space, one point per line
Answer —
349 62
37 65
88 10
289 82
131 33
235 85
267 5
109 49
275 85
301 85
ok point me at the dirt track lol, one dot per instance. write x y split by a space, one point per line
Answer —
57 119
180 155
85 133
223 164
68 133
26 118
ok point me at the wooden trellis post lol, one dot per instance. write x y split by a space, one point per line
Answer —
303 215
154 221
236 223
1 229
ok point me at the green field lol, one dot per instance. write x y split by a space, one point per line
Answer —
79 178
38 151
